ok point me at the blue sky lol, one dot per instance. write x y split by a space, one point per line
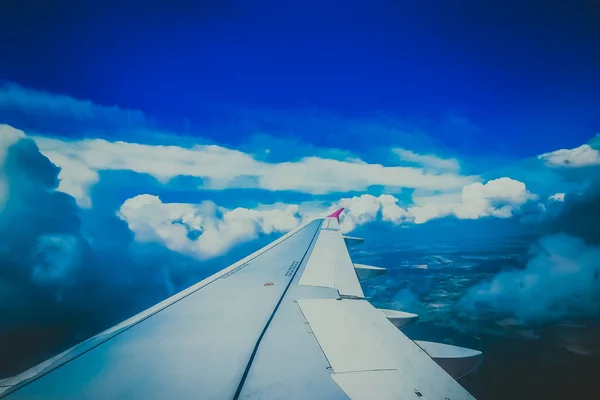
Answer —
143 147
521 77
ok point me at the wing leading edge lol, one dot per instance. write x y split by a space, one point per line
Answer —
328 342
289 321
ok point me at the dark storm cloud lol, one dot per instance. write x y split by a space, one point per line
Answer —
35 216
42 252
579 215
66 273
561 278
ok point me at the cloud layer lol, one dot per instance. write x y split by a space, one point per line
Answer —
221 168
204 230
37 110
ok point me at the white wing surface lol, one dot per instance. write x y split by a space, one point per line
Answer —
290 321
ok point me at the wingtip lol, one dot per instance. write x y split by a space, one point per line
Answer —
336 214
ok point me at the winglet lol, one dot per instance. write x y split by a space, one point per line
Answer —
336 214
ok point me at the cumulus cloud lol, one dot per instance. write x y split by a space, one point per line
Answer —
581 156
207 230
429 161
204 230
561 280
366 208
221 168
497 198
557 197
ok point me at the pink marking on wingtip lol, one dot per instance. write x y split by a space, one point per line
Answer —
336 214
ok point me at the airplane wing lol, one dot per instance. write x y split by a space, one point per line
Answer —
289 321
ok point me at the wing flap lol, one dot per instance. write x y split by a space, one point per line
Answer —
347 333
356 337
386 384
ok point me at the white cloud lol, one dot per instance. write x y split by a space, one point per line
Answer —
497 198
227 168
424 213
366 208
429 161
8 137
557 197
390 210
204 230
422 198
75 176
207 230
581 156
359 210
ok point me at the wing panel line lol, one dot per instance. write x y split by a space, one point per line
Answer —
262 334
